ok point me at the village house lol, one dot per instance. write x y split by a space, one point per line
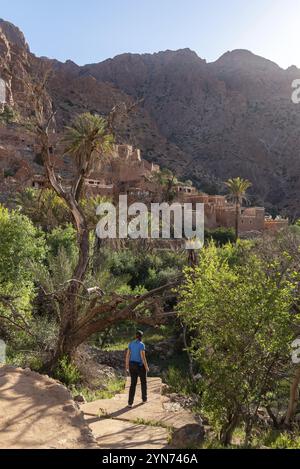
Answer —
124 172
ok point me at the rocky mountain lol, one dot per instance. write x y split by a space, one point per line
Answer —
206 121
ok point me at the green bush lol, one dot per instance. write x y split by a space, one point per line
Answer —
24 359
9 115
241 327
178 381
112 387
221 235
67 372
277 440
62 237
150 270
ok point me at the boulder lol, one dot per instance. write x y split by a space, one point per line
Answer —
191 435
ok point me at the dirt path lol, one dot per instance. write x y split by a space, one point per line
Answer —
38 412
155 425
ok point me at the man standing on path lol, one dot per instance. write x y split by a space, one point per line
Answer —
137 366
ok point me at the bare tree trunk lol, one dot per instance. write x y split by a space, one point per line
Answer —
74 331
272 417
294 397
248 431
192 258
237 220
184 334
228 429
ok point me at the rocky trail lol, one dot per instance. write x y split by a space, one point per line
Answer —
157 424
37 412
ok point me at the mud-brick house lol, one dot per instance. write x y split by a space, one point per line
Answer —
221 213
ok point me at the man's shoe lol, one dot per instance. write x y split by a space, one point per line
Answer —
144 402
130 406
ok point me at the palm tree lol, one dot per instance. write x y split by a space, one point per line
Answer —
87 139
237 188
167 180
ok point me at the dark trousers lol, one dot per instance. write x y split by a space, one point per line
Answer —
137 371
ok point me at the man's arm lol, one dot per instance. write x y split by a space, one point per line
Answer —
127 360
144 359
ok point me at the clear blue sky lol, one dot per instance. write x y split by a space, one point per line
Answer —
88 31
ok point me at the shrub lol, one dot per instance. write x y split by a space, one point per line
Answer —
9 115
111 388
221 235
239 317
67 372
178 381
63 237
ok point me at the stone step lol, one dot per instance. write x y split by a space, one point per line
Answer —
158 416
117 434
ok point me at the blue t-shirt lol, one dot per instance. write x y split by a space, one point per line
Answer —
136 347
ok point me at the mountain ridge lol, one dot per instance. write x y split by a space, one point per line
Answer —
206 121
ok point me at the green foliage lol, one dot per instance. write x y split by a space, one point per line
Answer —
239 316
47 210
24 359
44 207
178 381
278 440
150 270
67 372
237 188
87 137
21 244
53 275
9 115
29 350
119 336
63 237
154 423
89 206
167 180
221 235
111 388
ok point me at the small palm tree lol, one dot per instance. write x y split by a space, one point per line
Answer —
167 180
87 139
237 188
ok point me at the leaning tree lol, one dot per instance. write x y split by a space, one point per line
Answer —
84 311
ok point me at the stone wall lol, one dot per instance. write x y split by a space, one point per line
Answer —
276 225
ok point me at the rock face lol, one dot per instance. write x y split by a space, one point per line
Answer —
13 34
231 117
206 121
37 412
